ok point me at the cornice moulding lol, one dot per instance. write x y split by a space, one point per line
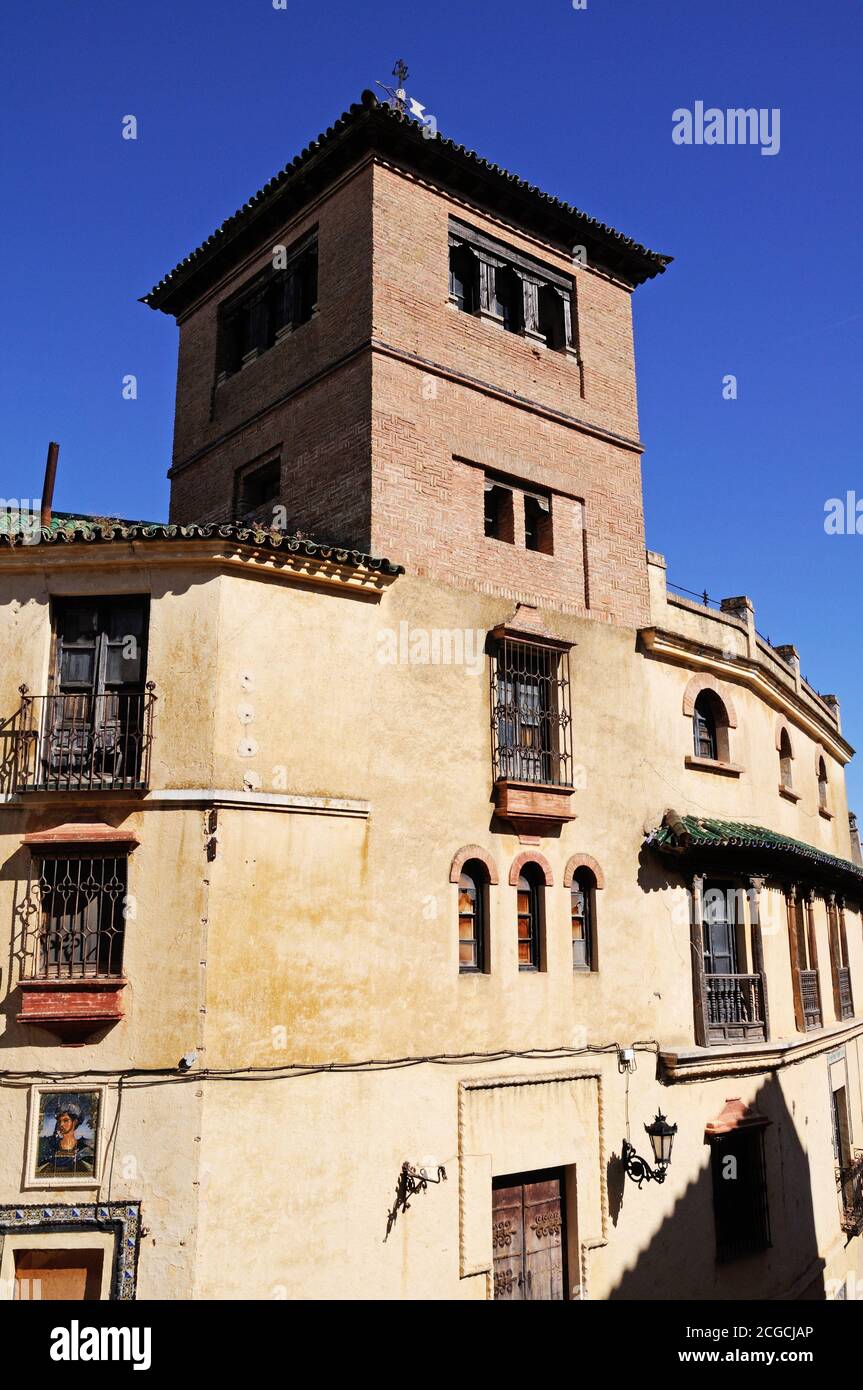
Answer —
699 656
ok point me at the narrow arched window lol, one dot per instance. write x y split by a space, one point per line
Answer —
464 279
582 902
530 906
473 918
786 757
822 784
704 727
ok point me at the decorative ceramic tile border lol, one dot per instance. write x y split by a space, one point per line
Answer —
124 1218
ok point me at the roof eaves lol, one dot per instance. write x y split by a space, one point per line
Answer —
369 115
85 531
705 832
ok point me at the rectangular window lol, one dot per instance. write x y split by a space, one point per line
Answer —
273 305
82 901
258 487
739 1193
505 286
531 721
537 523
499 522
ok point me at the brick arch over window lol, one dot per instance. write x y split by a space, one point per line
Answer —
699 683
467 852
783 727
531 857
583 861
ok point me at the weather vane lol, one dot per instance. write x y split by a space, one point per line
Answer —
398 96
408 106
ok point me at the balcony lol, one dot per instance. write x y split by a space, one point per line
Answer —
84 742
735 1008
810 999
849 1181
845 997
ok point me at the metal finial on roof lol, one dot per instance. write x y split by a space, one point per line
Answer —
398 96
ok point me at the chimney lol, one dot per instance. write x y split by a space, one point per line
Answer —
48 485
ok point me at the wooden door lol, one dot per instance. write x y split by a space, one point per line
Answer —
529 1237
67 1275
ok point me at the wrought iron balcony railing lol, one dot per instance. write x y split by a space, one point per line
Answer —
735 1008
849 1181
846 999
810 996
84 742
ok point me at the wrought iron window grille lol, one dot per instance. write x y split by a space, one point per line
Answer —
531 722
77 926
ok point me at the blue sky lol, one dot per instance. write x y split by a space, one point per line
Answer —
580 102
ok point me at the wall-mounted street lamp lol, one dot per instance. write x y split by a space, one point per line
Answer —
661 1139
412 1180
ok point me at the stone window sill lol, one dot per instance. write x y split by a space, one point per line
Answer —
714 765
789 794
826 815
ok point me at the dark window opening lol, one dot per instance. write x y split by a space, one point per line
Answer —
524 294
537 524
473 918
509 299
786 757
260 486
83 909
552 321
822 784
740 1193
530 905
582 901
279 302
464 279
499 518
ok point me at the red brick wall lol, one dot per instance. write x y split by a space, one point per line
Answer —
323 428
386 448
433 421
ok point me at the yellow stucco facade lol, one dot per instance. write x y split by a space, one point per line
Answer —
303 943
349 778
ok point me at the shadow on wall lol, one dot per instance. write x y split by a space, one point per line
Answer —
681 1261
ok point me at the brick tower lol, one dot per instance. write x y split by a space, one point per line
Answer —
400 347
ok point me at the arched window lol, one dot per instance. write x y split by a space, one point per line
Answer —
509 299
822 784
464 279
583 905
786 758
552 324
473 918
530 906
704 728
